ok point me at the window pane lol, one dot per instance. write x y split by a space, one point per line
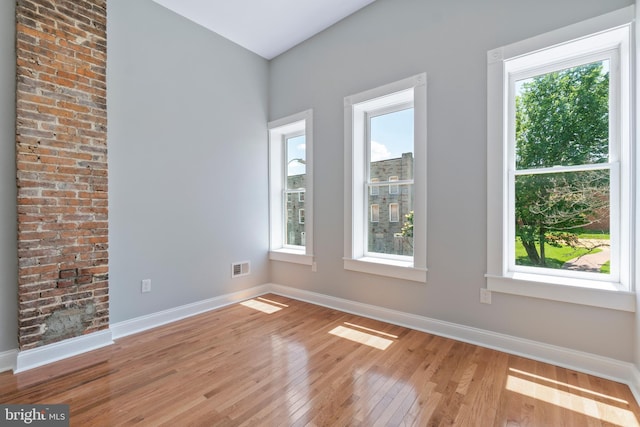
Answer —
391 159
296 182
390 225
391 146
296 161
563 220
562 118
295 219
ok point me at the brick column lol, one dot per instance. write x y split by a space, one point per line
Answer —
61 157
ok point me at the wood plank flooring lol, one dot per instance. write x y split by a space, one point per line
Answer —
274 361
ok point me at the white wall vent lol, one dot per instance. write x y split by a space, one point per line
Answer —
242 268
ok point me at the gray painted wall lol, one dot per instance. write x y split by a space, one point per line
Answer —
187 160
187 120
637 328
393 39
8 247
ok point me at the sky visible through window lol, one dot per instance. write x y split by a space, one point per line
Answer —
391 135
296 156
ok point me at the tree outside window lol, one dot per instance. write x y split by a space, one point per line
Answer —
562 124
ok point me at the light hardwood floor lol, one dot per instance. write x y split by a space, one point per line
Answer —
303 364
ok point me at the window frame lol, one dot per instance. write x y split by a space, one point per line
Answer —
550 51
279 131
357 108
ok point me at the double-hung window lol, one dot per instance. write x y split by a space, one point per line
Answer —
559 165
385 180
290 188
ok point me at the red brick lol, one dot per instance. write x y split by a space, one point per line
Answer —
61 162
66 283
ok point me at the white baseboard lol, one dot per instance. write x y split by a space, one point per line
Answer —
600 366
588 363
29 359
634 383
143 323
8 360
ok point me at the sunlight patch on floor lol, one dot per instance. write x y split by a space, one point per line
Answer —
361 337
375 331
261 306
572 387
272 302
573 402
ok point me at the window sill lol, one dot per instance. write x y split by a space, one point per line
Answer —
291 255
384 267
586 292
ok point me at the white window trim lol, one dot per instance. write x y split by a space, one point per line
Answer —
616 295
301 216
279 130
355 218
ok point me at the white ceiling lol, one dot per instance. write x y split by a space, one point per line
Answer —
266 27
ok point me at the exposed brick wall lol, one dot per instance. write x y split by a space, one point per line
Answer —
61 157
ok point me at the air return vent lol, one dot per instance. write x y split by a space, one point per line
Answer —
242 268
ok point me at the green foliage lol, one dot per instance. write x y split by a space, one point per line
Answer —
562 119
407 227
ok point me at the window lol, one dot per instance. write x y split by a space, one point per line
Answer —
291 188
375 213
393 189
374 190
394 213
385 131
560 165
